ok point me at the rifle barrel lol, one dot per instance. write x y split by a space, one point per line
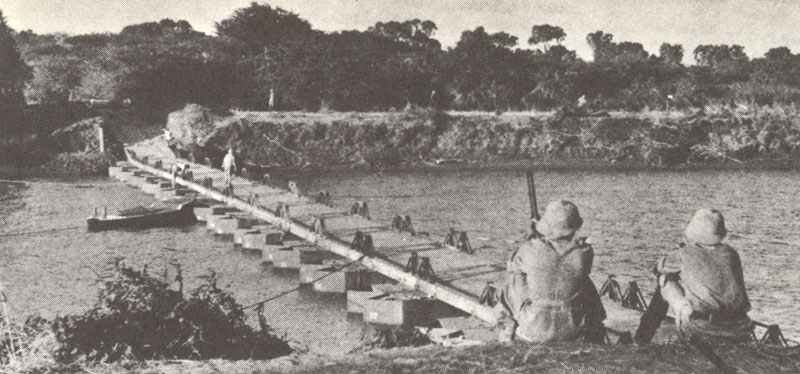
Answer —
532 195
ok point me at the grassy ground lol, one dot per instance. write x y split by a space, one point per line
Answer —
491 358
564 357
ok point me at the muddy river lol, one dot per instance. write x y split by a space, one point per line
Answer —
631 218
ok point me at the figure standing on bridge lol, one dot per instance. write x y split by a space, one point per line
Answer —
175 170
271 101
703 283
229 166
170 142
548 294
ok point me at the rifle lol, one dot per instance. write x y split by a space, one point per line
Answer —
651 319
533 205
656 311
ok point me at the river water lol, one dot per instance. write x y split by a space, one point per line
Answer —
631 218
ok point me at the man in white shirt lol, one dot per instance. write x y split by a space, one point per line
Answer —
229 166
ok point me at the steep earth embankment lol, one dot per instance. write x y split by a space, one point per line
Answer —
767 138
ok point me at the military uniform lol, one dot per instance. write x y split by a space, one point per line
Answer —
548 295
708 294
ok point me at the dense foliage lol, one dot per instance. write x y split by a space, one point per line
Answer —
13 74
261 52
139 316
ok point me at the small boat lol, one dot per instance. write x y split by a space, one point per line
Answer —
160 214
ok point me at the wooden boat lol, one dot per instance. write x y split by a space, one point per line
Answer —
160 214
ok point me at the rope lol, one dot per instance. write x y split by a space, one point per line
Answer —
763 241
14 181
22 233
284 293
26 182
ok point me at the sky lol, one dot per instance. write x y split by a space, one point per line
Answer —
756 24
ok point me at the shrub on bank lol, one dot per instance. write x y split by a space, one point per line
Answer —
138 316
23 151
141 317
78 164
72 151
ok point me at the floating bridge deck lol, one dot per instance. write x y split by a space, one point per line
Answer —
460 277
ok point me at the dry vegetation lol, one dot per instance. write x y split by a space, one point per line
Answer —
490 358
138 317
565 358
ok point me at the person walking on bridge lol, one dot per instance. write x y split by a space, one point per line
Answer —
548 294
703 283
229 166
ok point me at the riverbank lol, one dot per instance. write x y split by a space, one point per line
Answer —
290 142
85 148
565 357
491 358
722 139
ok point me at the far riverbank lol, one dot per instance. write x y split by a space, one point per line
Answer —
410 140
418 140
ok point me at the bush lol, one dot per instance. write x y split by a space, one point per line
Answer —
78 164
141 317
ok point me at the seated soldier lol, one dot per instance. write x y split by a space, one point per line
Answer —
548 294
703 282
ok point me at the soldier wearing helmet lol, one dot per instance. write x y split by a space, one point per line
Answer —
548 294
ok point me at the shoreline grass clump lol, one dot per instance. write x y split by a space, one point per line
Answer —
23 346
138 316
141 317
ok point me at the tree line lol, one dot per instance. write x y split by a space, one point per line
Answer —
260 50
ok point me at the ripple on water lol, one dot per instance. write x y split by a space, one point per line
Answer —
632 218
55 273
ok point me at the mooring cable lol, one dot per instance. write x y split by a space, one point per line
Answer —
33 182
762 241
22 233
284 293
